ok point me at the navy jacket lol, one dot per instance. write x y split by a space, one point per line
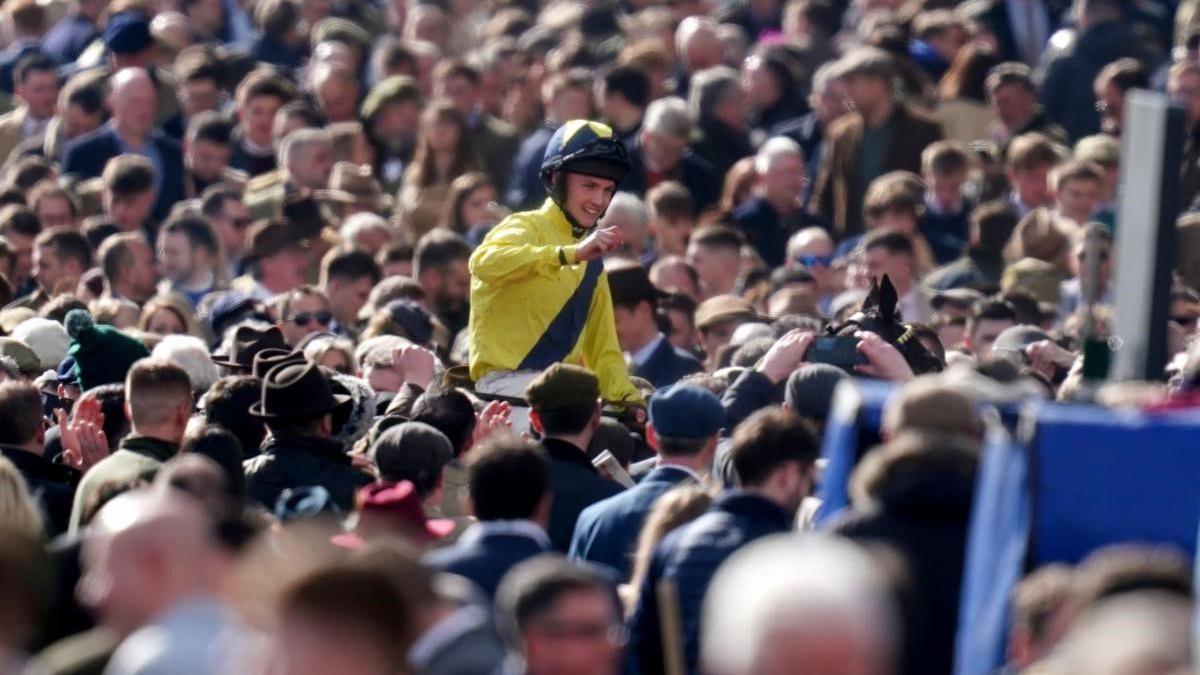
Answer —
946 233
607 532
576 485
486 552
525 190
689 557
69 37
693 171
767 232
85 157
667 365
52 485
11 56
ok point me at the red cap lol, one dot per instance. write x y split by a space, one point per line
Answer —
395 508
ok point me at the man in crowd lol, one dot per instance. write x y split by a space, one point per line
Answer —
440 266
565 412
22 442
684 421
189 257
128 264
661 154
775 211
881 135
773 455
132 101
60 257
36 81
152 573
509 489
225 212
306 157
635 312
347 277
159 403
296 406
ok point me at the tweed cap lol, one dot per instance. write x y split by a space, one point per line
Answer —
563 385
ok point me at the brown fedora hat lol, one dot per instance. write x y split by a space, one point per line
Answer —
296 390
248 341
352 183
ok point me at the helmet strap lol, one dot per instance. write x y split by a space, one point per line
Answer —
556 187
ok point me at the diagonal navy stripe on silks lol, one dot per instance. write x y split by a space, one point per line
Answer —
563 332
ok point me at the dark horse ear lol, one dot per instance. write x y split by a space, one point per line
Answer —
887 300
872 299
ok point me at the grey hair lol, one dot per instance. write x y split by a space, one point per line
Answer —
709 87
668 116
789 585
627 205
361 223
825 75
772 150
299 140
191 354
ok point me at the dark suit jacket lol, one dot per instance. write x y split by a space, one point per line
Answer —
52 485
837 195
525 190
667 365
767 232
693 171
607 531
576 485
86 157
485 556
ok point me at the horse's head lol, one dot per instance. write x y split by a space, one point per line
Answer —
878 315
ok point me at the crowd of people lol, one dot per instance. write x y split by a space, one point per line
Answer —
500 336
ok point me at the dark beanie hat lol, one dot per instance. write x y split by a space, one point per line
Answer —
103 354
810 390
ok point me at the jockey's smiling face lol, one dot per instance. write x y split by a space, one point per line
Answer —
587 198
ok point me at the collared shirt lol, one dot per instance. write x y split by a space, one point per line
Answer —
513 528
148 150
934 206
641 356
33 128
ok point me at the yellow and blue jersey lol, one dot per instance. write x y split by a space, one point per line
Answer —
533 303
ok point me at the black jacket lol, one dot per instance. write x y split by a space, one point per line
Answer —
576 485
1067 84
52 485
919 504
721 146
300 461
667 365
689 556
693 171
767 232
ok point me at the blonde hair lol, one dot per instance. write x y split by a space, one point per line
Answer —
18 511
677 507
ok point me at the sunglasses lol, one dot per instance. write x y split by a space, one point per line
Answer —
242 223
1185 321
814 260
305 318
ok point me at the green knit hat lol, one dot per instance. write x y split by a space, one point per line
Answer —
102 353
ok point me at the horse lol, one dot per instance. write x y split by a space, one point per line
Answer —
877 314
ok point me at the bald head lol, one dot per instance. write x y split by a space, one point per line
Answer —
807 604
697 44
144 551
133 101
